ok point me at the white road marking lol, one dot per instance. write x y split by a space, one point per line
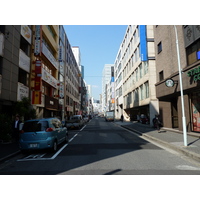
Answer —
187 167
40 157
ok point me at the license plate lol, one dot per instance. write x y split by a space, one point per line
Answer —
33 145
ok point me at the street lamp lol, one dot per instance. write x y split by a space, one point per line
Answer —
181 90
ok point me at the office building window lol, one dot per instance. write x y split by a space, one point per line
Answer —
141 70
145 67
159 47
141 92
192 52
146 85
161 76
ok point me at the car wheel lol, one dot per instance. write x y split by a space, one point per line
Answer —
55 146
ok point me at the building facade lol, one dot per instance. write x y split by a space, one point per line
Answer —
15 60
138 73
45 70
37 62
118 85
167 72
106 78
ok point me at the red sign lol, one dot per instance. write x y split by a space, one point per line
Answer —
38 75
38 67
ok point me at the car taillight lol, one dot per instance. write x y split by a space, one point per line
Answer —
49 129
22 131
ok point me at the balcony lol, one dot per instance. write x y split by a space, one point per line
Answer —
49 56
47 77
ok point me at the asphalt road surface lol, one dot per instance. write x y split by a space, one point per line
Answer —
101 148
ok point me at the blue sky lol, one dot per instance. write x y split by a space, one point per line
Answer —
99 45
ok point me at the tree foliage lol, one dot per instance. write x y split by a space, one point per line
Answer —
25 109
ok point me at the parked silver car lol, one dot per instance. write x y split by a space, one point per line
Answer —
76 121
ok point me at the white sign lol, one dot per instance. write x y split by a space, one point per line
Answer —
24 61
60 54
37 47
61 90
26 33
49 56
1 44
49 79
22 91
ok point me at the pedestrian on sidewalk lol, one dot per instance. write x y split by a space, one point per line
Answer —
157 123
122 118
15 128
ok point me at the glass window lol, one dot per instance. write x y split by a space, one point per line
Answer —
159 47
141 70
161 76
196 111
141 93
33 126
136 71
145 68
146 89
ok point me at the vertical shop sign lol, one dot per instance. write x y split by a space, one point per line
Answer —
38 75
38 39
60 54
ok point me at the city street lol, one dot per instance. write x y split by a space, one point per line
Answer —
102 148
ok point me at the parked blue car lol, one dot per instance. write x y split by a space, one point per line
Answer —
42 134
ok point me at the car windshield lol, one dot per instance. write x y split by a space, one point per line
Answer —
34 126
75 118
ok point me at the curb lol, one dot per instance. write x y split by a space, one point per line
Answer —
185 152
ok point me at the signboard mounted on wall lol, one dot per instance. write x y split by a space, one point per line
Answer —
169 82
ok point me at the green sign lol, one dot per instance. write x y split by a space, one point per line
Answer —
195 73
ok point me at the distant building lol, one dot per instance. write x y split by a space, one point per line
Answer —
106 78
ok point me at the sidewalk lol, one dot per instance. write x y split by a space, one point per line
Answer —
168 137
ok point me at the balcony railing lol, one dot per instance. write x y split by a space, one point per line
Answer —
49 56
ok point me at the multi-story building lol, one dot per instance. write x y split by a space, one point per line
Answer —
37 62
106 78
118 86
82 87
62 71
139 72
15 52
168 84
45 68
72 82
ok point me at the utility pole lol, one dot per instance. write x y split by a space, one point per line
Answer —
181 90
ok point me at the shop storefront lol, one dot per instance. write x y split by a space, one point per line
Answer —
195 111
170 100
51 107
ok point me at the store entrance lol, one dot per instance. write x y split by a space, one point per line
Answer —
196 111
174 112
